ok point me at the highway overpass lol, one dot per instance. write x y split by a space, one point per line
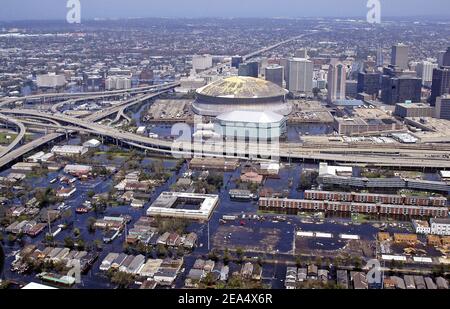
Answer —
19 137
374 156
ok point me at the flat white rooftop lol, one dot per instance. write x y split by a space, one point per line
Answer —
445 174
164 205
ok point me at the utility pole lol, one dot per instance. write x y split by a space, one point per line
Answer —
209 247
49 225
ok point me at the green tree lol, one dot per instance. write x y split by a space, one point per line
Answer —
76 232
69 242
161 250
122 279
90 224
240 254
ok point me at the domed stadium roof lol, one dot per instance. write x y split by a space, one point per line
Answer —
241 87
265 117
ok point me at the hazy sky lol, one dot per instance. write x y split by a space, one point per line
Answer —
56 9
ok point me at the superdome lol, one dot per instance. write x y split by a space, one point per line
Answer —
251 117
240 93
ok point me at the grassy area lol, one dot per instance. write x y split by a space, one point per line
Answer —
360 218
267 212
115 154
4 140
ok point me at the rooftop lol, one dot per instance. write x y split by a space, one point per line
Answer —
251 117
242 87
167 205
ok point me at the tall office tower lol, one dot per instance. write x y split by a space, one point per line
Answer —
446 58
254 68
399 89
380 57
442 108
440 58
337 76
274 73
284 63
440 84
301 53
424 70
263 64
369 82
249 69
351 88
400 56
236 61
300 79
244 69
201 62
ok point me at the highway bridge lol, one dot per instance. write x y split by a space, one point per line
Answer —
85 95
19 137
256 53
375 156
10 154
19 152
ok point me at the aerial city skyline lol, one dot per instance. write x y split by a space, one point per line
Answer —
198 153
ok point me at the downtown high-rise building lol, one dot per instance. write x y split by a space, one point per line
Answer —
300 76
440 84
249 69
301 53
236 61
380 57
275 74
424 70
442 108
337 76
446 58
400 56
369 83
401 89
202 62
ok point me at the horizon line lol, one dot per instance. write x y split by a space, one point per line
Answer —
356 17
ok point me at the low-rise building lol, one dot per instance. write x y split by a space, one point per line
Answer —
108 260
169 204
442 283
291 278
66 192
92 143
404 110
359 280
77 169
302 274
405 238
421 226
440 226
342 278
69 150
25 166
409 282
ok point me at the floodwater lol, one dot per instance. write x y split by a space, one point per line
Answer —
284 230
